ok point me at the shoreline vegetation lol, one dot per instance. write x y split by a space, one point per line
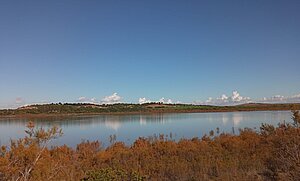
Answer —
87 109
272 153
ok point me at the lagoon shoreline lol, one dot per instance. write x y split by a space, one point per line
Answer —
214 109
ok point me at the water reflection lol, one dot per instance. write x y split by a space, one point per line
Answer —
112 124
143 120
224 118
236 118
127 128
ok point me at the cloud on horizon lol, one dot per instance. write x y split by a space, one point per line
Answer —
82 99
112 99
87 100
165 101
281 99
234 99
144 100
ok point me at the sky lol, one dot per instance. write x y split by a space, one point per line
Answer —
203 52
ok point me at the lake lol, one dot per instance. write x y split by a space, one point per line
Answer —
127 128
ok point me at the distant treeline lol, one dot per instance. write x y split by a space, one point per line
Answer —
84 108
273 153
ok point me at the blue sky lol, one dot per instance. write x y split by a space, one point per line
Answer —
187 51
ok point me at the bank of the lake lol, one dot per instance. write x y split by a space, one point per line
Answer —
66 110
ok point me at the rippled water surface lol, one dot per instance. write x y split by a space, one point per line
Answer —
127 128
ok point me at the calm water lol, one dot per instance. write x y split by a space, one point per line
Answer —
129 127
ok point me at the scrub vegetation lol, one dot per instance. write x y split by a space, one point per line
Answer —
273 153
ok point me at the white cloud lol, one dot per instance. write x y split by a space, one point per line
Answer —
165 101
281 99
87 100
82 99
235 98
296 96
209 100
224 97
114 98
143 100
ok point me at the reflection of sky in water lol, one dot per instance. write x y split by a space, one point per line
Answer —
127 128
